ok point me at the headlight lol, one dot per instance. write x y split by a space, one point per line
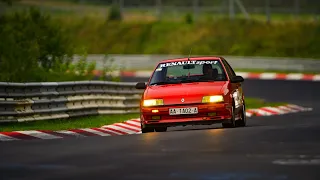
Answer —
153 102
212 99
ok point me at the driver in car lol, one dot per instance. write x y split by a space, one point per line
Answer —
208 72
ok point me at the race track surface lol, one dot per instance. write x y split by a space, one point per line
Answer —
274 148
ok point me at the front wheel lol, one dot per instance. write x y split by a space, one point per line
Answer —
160 129
146 129
242 122
232 122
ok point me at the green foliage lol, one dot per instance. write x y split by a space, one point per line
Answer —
216 37
35 48
17 49
115 14
107 69
8 2
189 18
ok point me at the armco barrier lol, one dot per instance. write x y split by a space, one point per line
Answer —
56 100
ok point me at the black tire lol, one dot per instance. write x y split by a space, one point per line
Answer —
243 121
231 124
146 129
160 129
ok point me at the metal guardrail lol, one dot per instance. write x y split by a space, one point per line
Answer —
57 100
143 62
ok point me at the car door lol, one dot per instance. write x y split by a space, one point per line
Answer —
236 88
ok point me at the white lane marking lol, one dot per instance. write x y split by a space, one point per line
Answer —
268 75
128 126
70 133
297 162
95 132
121 129
7 138
40 135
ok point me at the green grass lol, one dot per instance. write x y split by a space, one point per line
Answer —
252 103
213 34
101 9
63 124
98 121
238 38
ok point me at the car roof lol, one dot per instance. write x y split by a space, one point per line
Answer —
192 58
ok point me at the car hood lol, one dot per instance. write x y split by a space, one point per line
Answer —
190 92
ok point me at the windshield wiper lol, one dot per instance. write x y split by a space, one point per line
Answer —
187 81
205 80
163 83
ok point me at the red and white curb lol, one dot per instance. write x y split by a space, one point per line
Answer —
128 127
280 76
245 75
270 111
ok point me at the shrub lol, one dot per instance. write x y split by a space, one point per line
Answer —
35 48
189 18
115 14
19 48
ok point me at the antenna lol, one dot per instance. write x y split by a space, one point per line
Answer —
190 53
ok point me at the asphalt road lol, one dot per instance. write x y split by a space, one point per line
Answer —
274 148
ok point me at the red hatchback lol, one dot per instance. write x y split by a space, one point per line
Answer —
192 91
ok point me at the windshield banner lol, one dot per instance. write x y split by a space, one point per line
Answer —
179 63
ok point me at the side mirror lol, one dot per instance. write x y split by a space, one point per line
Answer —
141 85
237 79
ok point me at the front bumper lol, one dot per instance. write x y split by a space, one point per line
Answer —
207 114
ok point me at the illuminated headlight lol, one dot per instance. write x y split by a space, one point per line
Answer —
153 102
212 99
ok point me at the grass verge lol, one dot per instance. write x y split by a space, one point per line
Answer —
63 124
98 121
239 37
253 103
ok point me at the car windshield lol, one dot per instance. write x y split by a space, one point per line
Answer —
188 72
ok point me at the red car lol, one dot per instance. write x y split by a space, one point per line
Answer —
192 91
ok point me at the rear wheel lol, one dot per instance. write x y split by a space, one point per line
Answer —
232 122
160 129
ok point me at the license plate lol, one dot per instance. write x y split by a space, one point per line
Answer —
189 110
